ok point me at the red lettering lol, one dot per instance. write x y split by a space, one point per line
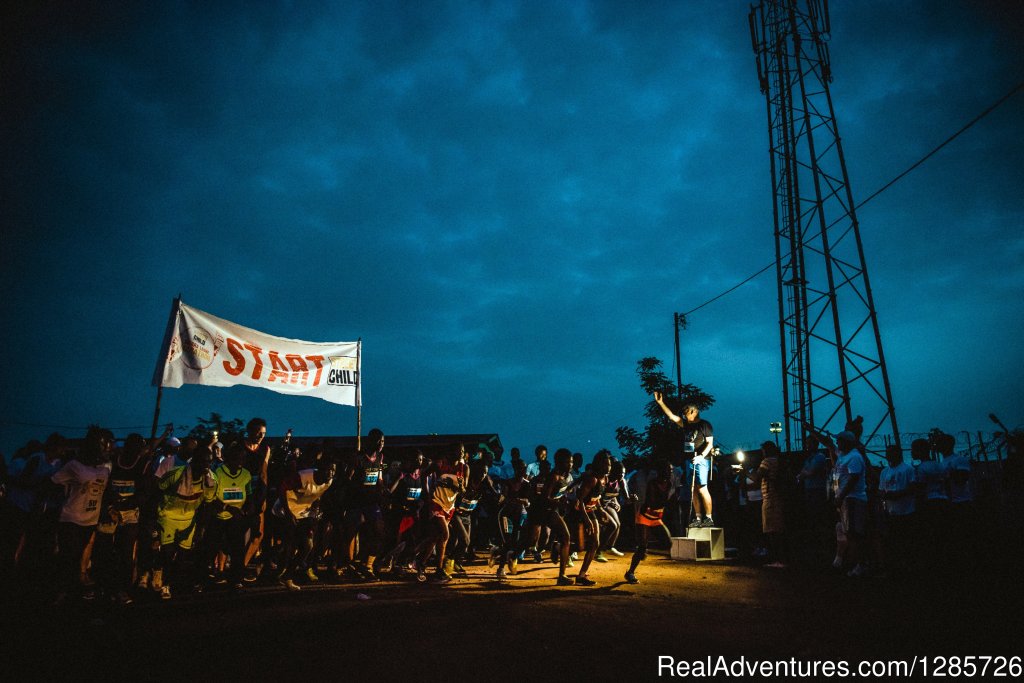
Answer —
235 349
256 351
280 369
318 361
301 375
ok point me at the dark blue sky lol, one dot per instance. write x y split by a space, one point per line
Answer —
506 201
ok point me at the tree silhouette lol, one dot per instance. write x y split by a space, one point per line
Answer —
660 438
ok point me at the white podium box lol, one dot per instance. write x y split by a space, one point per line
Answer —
707 543
683 548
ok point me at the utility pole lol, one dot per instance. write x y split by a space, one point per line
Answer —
679 322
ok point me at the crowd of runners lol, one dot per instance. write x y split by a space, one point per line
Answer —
132 519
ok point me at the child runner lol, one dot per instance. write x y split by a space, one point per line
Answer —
584 514
545 511
649 514
447 481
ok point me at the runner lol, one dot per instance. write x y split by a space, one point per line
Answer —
125 494
545 510
257 458
512 515
233 519
610 507
84 480
400 521
478 484
447 480
583 518
183 489
649 514
364 518
296 514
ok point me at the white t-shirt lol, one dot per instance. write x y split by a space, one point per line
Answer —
84 487
300 500
848 466
168 463
933 475
959 493
895 480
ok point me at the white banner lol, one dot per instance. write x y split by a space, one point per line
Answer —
204 349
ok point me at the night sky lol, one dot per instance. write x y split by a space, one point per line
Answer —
505 201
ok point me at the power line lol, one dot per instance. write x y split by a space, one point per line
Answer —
1013 91
68 427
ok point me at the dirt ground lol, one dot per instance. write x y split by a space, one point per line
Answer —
525 629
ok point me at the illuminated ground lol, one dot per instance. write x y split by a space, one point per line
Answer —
527 629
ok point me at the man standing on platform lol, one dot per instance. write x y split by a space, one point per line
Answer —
698 440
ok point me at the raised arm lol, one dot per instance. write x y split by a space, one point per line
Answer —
659 398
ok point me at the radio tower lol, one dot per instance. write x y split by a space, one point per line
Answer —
832 363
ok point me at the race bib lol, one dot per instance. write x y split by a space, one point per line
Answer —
125 488
689 447
233 495
371 477
129 516
412 495
468 505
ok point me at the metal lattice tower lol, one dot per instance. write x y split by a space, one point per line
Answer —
832 362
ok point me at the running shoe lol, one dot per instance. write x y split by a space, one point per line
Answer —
290 585
239 587
707 523
616 552
89 594
458 568
537 557
583 580
421 575
501 575
696 524
570 563
441 576
165 592
574 556
143 582
512 560
311 575
600 557
492 556
350 573
565 581
122 598
631 578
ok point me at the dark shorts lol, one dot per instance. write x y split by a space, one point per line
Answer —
854 517
370 514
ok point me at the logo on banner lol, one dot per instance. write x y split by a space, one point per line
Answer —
199 348
343 372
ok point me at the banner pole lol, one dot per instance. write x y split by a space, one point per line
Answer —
359 402
161 361
156 413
